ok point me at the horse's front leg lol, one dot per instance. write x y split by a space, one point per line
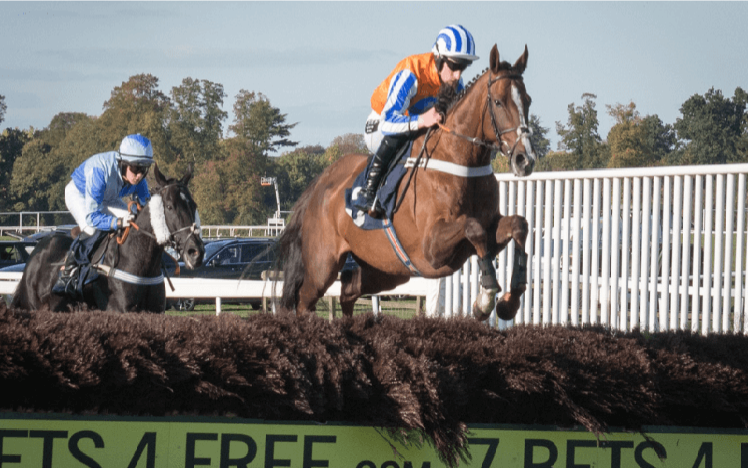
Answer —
513 227
439 248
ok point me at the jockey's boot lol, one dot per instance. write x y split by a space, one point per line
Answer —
366 200
65 284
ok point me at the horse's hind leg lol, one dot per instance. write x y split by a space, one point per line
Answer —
365 280
513 227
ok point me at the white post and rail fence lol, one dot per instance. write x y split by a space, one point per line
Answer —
651 248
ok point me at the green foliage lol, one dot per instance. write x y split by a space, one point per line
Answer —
136 107
540 143
295 171
712 128
11 146
195 122
261 124
579 136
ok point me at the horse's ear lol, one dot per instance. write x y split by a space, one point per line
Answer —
160 179
495 61
521 63
187 175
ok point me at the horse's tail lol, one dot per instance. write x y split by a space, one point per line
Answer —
290 251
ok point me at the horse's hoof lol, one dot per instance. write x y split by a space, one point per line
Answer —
506 309
480 315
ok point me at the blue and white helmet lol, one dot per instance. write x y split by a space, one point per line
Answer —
456 43
136 150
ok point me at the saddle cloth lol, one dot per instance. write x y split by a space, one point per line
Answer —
386 195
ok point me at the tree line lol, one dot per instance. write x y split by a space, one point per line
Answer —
186 127
712 129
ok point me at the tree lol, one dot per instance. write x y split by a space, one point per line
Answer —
350 143
47 160
579 136
3 108
11 146
260 124
712 127
627 139
196 118
295 171
137 107
540 143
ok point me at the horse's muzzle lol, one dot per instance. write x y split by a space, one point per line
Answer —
522 164
193 252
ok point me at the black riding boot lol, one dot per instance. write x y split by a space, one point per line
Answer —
366 200
68 274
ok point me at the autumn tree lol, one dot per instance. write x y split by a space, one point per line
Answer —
636 141
260 124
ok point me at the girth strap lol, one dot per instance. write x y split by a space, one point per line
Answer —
129 277
389 231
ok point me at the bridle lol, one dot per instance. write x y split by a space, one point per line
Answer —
172 240
491 103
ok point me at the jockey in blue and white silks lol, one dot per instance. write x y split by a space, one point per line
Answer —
403 103
94 198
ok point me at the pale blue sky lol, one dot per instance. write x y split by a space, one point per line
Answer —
320 61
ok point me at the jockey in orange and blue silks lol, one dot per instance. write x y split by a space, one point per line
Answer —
403 103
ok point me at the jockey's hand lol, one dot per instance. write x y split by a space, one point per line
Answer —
125 221
429 118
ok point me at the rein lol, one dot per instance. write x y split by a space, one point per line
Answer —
171 240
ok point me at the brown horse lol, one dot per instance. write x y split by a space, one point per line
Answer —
449 210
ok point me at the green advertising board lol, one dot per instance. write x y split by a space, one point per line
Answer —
51 441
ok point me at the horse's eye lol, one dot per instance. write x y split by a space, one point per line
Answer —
169 207
497 102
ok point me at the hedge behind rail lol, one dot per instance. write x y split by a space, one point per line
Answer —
430 375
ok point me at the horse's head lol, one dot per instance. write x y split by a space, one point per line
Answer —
181 224
509 108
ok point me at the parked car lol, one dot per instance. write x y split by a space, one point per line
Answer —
15 252
244 258
236 258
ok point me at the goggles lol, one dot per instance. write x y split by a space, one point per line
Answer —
454 66
138 169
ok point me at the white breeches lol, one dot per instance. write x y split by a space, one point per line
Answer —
76 203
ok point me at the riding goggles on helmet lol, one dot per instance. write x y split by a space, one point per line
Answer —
454 66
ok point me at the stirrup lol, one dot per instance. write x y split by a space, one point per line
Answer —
376 210
66 282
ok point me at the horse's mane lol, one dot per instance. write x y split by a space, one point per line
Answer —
447 98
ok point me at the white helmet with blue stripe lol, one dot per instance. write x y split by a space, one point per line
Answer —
456 43
136 150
